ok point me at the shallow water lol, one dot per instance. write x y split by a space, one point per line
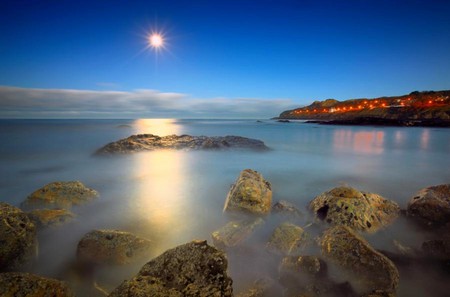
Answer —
172 197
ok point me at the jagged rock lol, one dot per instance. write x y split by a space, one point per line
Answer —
360 211
112 247
149 142
288 239
60 195
50 217
235 232
261 288
287 208
29 285
431 206
251 193
370 269
17 237
191 269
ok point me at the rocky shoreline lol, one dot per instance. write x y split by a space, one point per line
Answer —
305 248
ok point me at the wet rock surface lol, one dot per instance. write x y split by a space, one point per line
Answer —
358 210
192 269
288 239
370 270
112 247
30 285
430 207
251 193
43 218
235 232
17 237
60 195
149 142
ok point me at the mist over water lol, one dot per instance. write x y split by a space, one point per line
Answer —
172 197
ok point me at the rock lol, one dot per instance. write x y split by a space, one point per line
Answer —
191 269
370 269
149 142
283 121
60 195
251 193
305 268
235 232
112 247
17 237
50 217
430 207
288 239
29 285
360 211
288 208
437 248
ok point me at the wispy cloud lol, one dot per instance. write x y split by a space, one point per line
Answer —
61 103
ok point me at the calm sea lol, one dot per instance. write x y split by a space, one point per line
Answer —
172 197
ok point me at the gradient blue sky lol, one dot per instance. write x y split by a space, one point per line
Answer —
299 51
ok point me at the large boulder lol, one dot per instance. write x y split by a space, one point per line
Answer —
431 206
112 247
358 210
288 239
191 269
251 193
235 232
149 142
60 195
29 285
50 217
369 270
17 237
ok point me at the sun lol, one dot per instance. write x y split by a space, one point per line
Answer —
156 40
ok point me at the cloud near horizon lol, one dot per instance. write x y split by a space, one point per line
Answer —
67 103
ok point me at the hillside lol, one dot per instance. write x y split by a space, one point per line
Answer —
428 108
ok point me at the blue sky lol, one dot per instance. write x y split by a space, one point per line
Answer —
220 51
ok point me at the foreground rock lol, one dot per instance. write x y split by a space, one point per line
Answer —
149 142
17 237
358 210
369 269
192 269
29 285
261 288
235 232
288 239
112 247
43 218
60 195
431 206
251 193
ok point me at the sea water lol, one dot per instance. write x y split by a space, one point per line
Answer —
172 197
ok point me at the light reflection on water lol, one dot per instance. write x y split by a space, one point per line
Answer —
172 197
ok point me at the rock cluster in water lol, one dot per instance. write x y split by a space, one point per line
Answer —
150 142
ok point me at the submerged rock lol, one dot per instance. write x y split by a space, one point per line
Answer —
287 208
60 195
360 211
50 217
369 269
29 285
306 268
288 239
149 142
437 248
431 206
235 232
17 237
112 247
251 193
191 269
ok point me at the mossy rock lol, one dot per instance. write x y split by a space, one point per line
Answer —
358 210
43 218
15 284
251 193
235 232
192 269
18 241
288 239
60 195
